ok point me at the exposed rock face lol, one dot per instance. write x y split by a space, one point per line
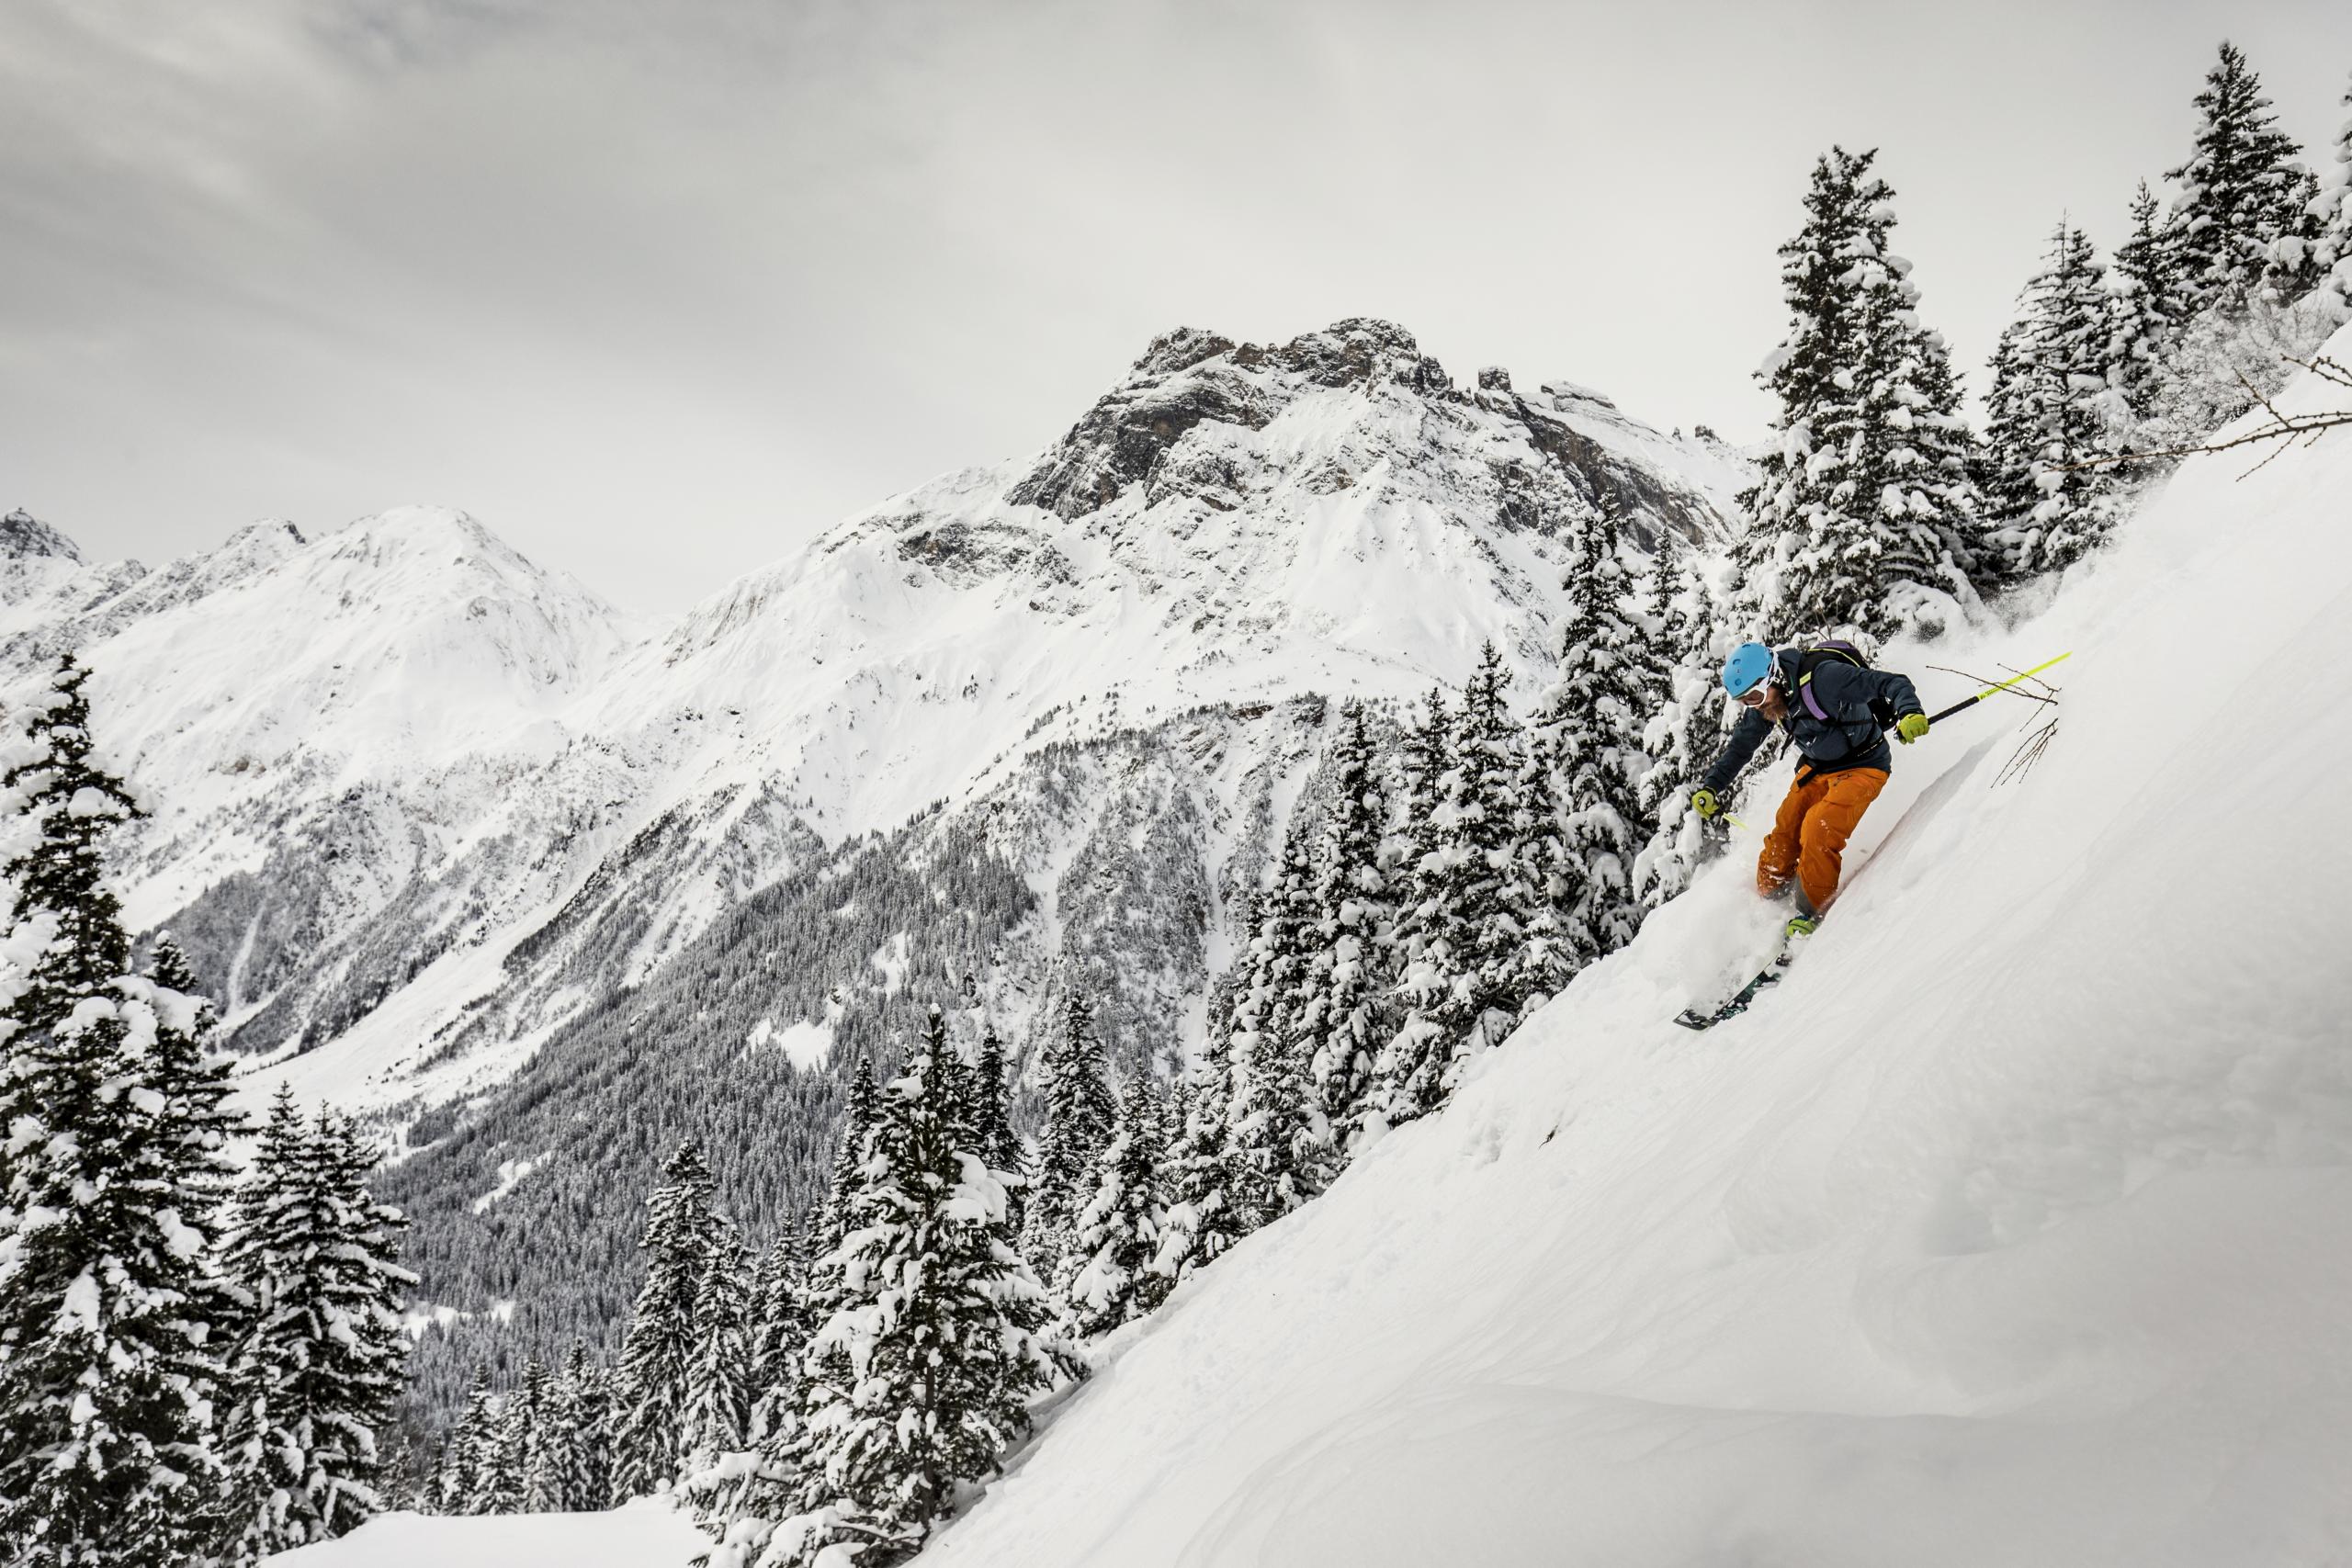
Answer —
23 535
1189 380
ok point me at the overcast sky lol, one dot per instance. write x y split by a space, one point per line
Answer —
659 291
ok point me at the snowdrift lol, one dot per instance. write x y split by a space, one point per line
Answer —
2015 1228
639 1535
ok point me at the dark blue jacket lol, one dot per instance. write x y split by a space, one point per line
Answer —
1852 736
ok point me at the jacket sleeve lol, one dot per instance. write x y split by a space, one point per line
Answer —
1895 687
1746 735
1849 693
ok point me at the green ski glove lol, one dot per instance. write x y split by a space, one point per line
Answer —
1704 802
1910 726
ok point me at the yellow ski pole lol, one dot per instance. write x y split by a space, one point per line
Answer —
1936 719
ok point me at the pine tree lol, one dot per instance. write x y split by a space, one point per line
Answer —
658 1358
1857 508
1666 630
1118 1233
2145 310
856 1119
581 1453
1275 1125
1682 736
1548 880
999 1144
197 1116
945 1327
1461 938
322 1356
1201 1222
719 1410
2329 213
110 1310
779 1332
532 1436
504 1446
461 1486
2050 380
1079 1113
2241 189
1593 722
1341 1012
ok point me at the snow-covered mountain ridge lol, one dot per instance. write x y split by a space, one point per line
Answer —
403 744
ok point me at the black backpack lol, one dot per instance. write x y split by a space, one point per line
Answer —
1811 655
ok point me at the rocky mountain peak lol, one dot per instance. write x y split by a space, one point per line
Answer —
23 536
1188 377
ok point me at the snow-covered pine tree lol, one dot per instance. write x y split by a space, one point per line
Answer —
321 1358
1423 758
1118 1233
1341 1017
111 1312
1548 882
2241 189
1275 1125
501 1458
2044 415
1079 1113
1461 938
532 1438
197 1114
2329 215
947 1329
2145 308
580 1451
1857 506
960 1091
1592 720
1000 1142
1665 628
719 1418
461 1487
1682 736
1201 1222
780 1330
857 1118
655 1391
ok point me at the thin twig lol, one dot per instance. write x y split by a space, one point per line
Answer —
2280 427
2030 696
2029 751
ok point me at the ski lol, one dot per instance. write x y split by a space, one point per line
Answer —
1691 1018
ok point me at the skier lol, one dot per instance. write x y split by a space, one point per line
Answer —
1837 709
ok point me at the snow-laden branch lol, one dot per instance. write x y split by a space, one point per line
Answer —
2280 426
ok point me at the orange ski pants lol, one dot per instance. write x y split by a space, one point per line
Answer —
1809 835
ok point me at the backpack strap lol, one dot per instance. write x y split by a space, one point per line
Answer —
1811 704
1811 658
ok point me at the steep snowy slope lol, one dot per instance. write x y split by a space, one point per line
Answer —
320 726
2015 1228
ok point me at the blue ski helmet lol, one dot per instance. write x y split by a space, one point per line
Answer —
1749 664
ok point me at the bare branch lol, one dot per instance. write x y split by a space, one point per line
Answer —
2279 427
2016 690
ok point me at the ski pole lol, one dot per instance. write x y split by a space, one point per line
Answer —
1936 719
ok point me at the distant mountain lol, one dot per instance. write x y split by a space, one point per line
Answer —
461 846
